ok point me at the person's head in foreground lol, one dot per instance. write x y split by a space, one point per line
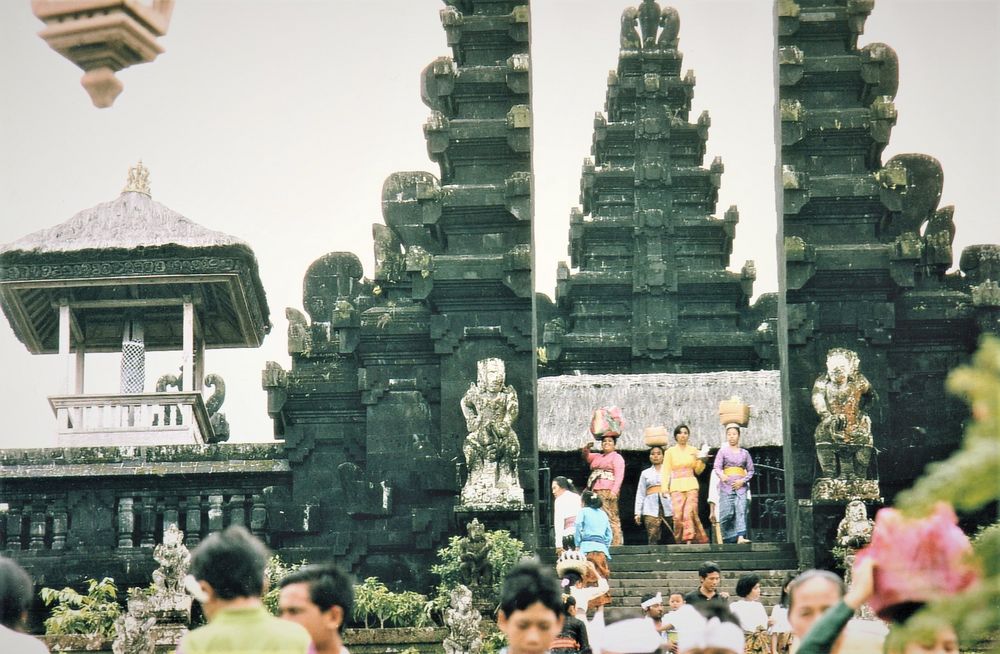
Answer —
229 568
675 601
809 595
717 632
591 500
710 575
652 605
748 587
16 593
320 598
922 634
531 608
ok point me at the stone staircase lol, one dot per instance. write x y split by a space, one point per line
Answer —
639 569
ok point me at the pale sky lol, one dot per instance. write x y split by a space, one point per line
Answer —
277 122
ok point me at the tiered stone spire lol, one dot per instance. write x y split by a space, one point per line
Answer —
866 250
651 292
379 372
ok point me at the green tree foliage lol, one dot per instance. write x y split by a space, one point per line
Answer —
504 552
75 613
969 480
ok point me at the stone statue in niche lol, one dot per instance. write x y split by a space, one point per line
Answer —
462 620
134 635
843 436
491 449
474 566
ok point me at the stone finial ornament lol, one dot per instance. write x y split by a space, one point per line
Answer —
491 449
103 37
462 620
138 179
843 436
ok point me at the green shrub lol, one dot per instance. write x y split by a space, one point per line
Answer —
504 552
275 570
91 614
374 602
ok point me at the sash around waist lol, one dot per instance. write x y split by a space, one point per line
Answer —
732 471
679 473
654 489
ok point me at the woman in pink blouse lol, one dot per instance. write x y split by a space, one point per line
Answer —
607 471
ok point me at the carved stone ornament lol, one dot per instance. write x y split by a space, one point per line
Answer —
843 436
491 449
462 620
855 530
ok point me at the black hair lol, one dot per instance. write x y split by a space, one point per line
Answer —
572 577
527 583
564 483
591 499
789 576
232 561
678 429
656 447
831 577
16 593
707 568
736 427
328 586
746 583
569 604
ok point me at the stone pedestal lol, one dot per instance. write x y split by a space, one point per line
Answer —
841 491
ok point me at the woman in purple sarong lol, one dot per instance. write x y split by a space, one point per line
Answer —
734 467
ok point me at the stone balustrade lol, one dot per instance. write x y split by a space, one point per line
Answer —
135 419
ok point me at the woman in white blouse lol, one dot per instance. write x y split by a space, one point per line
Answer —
567 504
752 614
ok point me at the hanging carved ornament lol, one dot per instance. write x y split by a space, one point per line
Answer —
103 37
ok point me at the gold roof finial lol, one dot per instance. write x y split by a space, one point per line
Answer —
138 179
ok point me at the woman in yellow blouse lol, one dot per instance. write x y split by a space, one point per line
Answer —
681 464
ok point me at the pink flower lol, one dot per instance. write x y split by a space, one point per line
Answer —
917 560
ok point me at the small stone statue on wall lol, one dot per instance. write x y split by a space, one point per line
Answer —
844 442
462 620
174 559
491 449
853 533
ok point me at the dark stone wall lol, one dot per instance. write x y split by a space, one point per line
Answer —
865 255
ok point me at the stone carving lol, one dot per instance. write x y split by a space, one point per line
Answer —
843 436
475 566
462 621
855 530
138 179
491 449
133 634
212 405
853 533
174 560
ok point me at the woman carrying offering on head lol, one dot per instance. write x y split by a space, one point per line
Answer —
607 468
681 464
735 468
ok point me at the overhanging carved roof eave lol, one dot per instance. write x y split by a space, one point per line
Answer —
31 282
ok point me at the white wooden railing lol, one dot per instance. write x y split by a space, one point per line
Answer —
139 419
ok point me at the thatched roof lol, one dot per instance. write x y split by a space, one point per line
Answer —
566 402
130 221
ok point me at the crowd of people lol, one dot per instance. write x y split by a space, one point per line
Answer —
536 612
666 497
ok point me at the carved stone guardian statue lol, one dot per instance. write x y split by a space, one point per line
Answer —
491 449
462 620
475 567
843 436
853 533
